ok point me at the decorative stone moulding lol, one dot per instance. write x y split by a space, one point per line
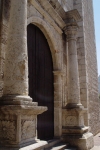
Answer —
73 14
18 123
70 31
16 100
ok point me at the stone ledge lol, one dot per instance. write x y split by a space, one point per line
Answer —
79 131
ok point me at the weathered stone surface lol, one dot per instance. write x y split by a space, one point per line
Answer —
16 69
88 64
72 61
18 125
74 68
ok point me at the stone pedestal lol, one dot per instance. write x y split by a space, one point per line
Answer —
18 124
74 131
85 142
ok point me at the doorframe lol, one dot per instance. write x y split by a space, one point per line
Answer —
54 46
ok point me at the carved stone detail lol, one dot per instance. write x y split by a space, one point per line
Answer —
28 129
7 130
71 121
71 32
18 123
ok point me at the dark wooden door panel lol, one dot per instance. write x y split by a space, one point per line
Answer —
41 79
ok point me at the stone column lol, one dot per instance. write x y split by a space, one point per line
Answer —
74 130
4 22
16 64
18 114
72 68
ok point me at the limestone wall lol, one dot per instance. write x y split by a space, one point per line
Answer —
88 64
91 66
82 59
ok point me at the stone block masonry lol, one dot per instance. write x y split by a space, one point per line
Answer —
88 64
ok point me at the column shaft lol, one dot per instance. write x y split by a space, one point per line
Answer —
16 64
72 72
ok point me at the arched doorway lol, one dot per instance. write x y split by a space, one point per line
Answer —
41 79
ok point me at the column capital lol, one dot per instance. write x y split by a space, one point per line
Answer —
72 17
71 30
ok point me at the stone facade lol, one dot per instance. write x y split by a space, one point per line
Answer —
69 29
91 67
99 84
88 64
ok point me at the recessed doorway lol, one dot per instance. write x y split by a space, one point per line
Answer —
41 87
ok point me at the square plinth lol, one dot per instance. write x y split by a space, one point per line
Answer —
18 125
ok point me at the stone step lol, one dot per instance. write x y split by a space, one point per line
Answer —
55 144
61 146
42 145
58 146
51 143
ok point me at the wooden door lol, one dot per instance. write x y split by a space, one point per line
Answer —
41 80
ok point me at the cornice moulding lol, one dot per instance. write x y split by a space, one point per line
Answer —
73 14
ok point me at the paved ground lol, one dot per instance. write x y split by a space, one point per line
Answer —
96 142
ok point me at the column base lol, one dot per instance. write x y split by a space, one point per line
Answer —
18 123
79 131
73 105
16 100
84 142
